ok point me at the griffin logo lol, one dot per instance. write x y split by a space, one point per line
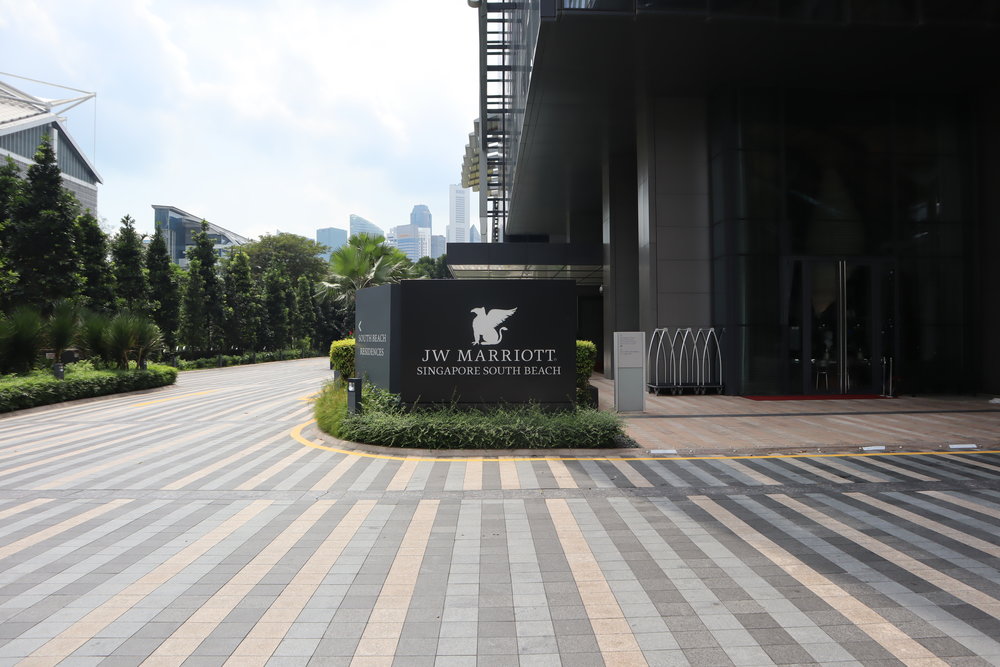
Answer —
484 325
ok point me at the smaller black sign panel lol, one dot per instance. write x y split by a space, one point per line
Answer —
475 341
375 340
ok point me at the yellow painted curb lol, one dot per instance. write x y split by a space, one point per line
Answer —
296 433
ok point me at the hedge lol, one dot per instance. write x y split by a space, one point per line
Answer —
243 359
586 357
41 388
342 357
384 422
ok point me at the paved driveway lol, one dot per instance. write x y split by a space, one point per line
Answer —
188 526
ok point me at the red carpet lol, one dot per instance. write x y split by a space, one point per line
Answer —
815 397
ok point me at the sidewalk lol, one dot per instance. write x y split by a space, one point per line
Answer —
732 424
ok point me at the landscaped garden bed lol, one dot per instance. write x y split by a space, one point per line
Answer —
81 381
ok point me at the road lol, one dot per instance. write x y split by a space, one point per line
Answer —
203 525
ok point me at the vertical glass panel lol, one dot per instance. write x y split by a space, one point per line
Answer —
794 333
823 311
857 327
929 190
761 187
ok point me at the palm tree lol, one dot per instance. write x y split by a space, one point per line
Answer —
365 261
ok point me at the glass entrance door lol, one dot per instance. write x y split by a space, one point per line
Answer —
839 333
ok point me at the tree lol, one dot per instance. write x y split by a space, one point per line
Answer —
295 255
193 333
41 234
128 260
240 296
304 323
364 261
276 287
204 252
433 268
164 291
95 271
10 190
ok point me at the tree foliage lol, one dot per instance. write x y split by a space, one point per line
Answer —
242 303
204 252
41 232
10 190
164 290
128 254
194 311
364 261
95 270
433 268
304 322
276 288
294 255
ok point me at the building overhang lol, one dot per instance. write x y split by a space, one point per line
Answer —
582 262
594 72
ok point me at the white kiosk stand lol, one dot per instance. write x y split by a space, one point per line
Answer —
630 371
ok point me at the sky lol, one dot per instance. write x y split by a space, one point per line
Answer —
259 115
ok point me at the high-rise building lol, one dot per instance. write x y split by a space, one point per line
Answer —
361 226
439 246
421 216
412 241
474 235
814 181
458 214
179 229
332 238
25 119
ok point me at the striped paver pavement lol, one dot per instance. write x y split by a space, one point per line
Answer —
189 527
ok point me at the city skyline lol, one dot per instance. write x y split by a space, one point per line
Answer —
256 139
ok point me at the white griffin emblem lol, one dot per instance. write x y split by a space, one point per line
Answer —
484 326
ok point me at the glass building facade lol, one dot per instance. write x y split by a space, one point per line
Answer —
814 180
841 240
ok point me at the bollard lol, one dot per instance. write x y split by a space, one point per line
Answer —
354 396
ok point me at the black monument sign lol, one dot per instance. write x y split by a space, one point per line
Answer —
469 341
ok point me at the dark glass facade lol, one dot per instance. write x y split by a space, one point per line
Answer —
841 233
815 179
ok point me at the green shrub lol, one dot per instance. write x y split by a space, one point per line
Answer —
40 388
22 334
586 357
330 407
499 428
342 357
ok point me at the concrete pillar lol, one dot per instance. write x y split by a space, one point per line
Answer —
620 236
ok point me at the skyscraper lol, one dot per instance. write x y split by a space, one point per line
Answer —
412 241
438 246
458 214
332 238
474 235
421 216
361 226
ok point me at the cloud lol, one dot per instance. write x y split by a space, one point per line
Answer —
259 115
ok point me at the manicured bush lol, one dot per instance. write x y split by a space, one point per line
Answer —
586 357
342 357
499 428
40 388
